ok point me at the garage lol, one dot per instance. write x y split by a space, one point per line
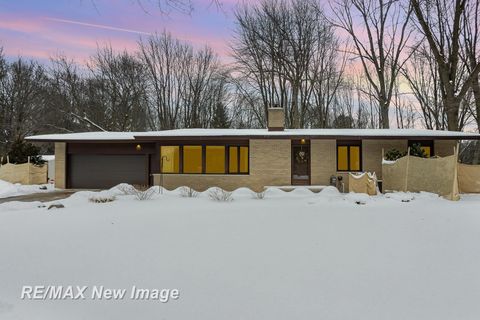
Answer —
89 171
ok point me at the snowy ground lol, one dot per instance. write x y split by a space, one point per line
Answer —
296 255
8 189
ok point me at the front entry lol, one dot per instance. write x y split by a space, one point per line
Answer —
300 162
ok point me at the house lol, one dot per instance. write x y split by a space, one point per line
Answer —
232 158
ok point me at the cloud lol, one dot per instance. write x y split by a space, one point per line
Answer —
98 26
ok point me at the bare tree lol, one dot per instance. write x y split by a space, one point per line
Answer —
379 37
184 85
441 23
116 98
471 52
286 55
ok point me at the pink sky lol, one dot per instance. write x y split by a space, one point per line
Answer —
42 29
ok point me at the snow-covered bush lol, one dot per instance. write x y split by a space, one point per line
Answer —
126 188
140 192
259 195
188 192
218 194
143 192
102 197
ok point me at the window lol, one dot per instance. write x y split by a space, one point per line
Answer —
243 159
233 160
210 159
425 145
215 159
170 159
349 156
192 159
238 159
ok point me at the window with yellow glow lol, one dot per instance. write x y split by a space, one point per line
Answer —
349 157
354 158
192 159
215 159
342 158
233 160
243 159
427 151
170 159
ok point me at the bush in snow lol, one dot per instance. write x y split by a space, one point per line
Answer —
259 195
140 192
218 194
127 189
102 197
143 192
188 192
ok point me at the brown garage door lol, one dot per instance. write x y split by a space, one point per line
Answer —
106 171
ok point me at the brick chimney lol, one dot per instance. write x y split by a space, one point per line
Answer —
276 119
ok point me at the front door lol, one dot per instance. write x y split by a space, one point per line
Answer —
300 163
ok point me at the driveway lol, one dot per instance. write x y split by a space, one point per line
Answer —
41 196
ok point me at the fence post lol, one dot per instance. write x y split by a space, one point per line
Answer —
406 170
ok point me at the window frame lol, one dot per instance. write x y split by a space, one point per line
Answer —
424 143
348 144
204 160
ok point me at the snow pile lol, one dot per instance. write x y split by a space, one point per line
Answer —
8 189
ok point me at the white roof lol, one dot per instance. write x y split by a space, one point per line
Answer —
102 135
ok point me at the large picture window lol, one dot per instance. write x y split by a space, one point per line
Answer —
170 159
215 159
349 156
207 159
238 159
192 159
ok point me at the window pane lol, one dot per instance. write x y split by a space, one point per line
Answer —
244 159
192 159
427 151
233 160
215 159
170 159
342 160
354 158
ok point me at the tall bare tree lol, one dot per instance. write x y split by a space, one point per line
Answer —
379 31
471 51
286 54
184 85
441 23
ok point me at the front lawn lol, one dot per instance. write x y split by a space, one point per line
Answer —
296 255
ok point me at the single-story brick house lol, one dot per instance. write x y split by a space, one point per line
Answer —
232 158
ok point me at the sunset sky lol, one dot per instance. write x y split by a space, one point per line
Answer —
41 29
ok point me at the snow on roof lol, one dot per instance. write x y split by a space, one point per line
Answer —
105 136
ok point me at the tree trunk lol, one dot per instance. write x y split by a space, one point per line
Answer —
452 106
476 95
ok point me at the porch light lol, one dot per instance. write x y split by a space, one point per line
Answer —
302 141
138 147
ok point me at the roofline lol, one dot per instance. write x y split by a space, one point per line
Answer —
138 139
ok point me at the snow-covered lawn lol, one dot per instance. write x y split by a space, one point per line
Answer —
296 255
8 189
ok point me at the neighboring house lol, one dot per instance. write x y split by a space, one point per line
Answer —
232 158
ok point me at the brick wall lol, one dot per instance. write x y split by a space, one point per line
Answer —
444 148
